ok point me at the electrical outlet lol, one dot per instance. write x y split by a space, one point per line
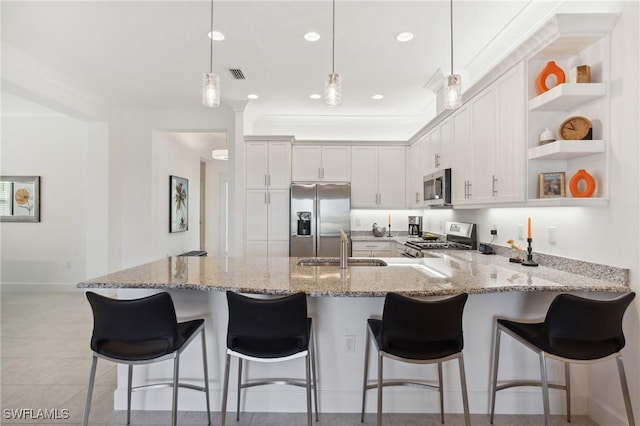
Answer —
349 343
494 229
551 234
521 232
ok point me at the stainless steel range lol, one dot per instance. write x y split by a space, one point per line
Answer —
458 236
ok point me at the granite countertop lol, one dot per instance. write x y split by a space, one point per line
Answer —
442 273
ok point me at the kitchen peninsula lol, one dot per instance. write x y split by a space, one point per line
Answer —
340 302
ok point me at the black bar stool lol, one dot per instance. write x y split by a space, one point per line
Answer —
575 330
269 330
417 332
142 331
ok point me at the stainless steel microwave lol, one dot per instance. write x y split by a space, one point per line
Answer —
437 188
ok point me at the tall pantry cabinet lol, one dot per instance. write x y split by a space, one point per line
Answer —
268 172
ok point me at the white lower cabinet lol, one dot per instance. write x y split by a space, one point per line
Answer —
371 249
267 222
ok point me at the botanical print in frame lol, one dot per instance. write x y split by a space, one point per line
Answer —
179 204
19 198
551 185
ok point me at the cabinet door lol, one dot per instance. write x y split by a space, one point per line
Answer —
511 138
364 176
463 156
306 163
414 178
445 145
279 174
278 214
391 176
336 163
257 215
434 151
278 248
257 164
257 249
483 136
425 152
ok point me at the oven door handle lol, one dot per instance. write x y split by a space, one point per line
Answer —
405 254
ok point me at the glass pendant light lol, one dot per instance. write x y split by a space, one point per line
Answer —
211 81
333 84
453 90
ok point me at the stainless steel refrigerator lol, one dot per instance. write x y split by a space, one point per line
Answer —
318 212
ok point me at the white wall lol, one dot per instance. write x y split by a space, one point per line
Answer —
68 155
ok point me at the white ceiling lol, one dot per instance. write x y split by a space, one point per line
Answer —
151 55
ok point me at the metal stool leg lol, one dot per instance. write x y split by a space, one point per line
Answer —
465 398
567 383
494 384
314 377
87 403
366 371
379 421
307 361
625 391
239 389
441 392
545 390
225 391
174 404
206 376
129 379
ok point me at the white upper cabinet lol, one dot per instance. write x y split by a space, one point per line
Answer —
461 172
268 164
414 177
314 163
510 146
378 177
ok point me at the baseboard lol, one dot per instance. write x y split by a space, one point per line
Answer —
605 415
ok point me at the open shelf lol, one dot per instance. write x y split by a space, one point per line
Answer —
567 96
568 202
565 150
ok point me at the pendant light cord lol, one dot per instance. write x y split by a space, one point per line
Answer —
451 17
333 40
211 42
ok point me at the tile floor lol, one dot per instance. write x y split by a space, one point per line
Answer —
45 361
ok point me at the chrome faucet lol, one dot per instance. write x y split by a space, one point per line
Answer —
344 249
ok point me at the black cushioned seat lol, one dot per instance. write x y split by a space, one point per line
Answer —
575 329
142 331
420 332
269 330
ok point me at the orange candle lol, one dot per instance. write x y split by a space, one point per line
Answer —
529 228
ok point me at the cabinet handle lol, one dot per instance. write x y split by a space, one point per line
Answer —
269 180
265 198
269 197
265 181
469 189
494 191
417 197
436 160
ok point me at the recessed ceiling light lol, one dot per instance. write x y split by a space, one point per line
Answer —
216 36
404 36
315 96
377 97
252 96
312 36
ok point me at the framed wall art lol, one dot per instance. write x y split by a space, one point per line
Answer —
19 198
551 185
178 204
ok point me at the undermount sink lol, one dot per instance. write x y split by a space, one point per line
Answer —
318 261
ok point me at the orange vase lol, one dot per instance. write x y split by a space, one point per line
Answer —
550 68
590 182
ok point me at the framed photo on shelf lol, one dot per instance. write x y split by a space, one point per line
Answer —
551 185
19 198
178 204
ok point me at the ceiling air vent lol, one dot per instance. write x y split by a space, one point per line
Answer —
237 73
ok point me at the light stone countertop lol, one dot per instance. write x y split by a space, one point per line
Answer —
443 273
